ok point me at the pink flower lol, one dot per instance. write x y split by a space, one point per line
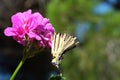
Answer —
28 27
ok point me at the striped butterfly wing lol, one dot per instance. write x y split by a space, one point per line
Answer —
61 43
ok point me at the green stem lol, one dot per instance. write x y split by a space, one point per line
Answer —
18 68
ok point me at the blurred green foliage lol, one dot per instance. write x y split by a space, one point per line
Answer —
98 58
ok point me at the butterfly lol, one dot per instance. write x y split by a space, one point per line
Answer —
62 42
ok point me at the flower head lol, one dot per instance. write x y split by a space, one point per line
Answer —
28 27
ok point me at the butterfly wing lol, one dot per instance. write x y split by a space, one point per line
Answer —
61 43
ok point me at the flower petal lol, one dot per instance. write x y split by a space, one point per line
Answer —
9 32
33 35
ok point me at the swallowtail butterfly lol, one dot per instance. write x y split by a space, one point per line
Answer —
61 43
